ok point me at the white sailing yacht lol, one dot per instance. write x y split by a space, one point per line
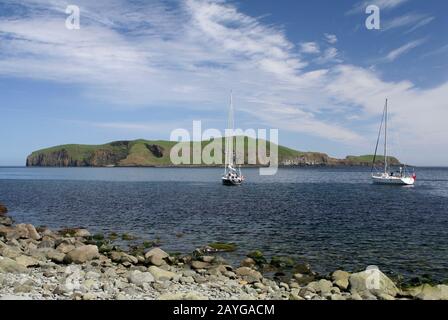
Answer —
232 176
385 176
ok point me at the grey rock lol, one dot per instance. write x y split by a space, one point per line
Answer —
92 275
161 275
156 257
189 273
8 265
246 296
303 279
10 251
428 292
6 221
260 286
62 289
294 285
26 261
23 288
161 286
367 295
30 231
372 282
341 279
122 257
65 247
355 295
322 286
384 296
82 254
183 296
47 242
9 232
89 296
14 297
199 279
284 285
217 270
303 268
248 262
208 259
140 278
294 295
248 274
89 284
337 297
198 265
230 274
188 279
55 256
81 233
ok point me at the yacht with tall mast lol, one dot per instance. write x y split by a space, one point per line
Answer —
385 175
232 175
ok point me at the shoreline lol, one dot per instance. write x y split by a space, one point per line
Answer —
338 166
39 263
183 167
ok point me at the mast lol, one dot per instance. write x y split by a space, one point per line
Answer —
232 124
385 138
378 139
229 148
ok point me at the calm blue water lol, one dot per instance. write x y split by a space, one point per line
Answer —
331 218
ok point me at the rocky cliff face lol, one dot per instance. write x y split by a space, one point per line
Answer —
101 158
62 158
312 159
156 150
53 159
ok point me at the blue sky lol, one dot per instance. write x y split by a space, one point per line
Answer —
140 69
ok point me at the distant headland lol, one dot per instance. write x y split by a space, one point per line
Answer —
156 153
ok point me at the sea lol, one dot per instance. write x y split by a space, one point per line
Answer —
331 218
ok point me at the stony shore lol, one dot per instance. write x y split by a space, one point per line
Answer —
38 263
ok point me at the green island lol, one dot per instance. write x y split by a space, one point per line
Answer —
156 153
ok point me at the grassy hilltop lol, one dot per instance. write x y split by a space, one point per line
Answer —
148 153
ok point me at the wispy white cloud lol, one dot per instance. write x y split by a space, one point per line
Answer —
360 7
413 21
331 38
423 22
394 54
441 50
309 47
330 55
153 127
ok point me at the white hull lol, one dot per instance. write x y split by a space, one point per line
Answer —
231 182
386 179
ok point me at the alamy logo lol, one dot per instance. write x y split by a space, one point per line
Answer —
373 278
190 149
373 21
73 20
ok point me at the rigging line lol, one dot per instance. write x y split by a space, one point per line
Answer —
378 139
397 150
385 139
